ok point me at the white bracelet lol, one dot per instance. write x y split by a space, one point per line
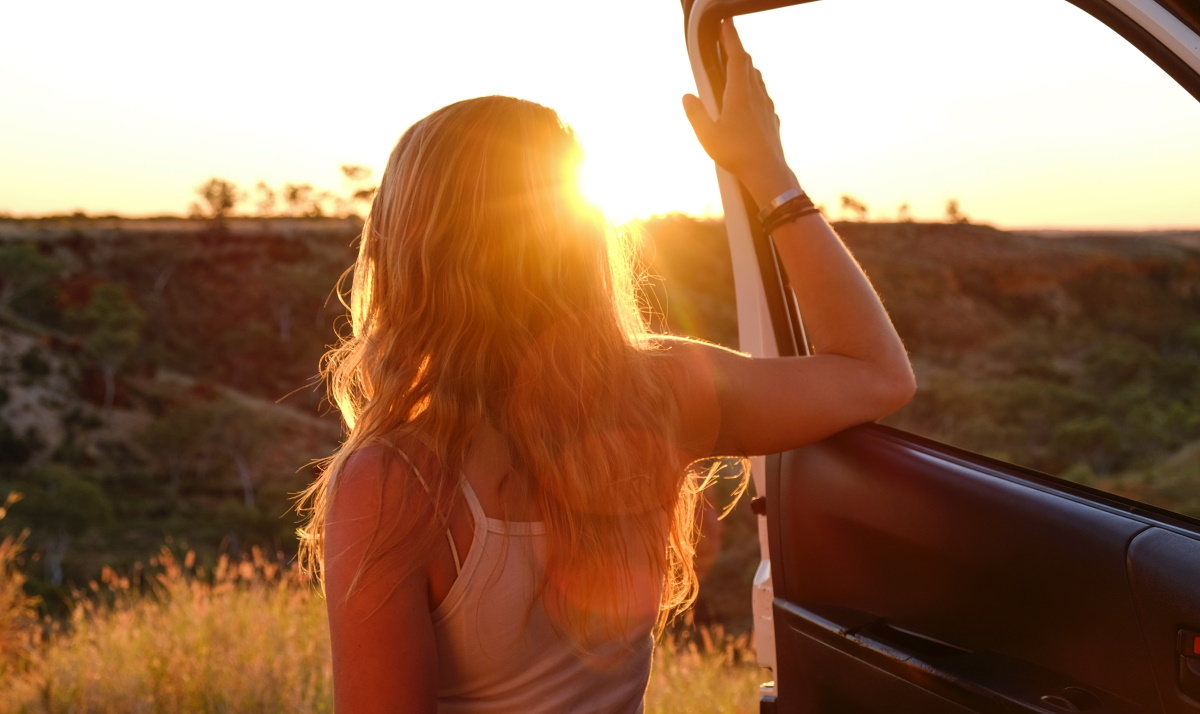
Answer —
779 201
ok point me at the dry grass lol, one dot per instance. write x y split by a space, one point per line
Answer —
250 636
704 670
18 622
247 637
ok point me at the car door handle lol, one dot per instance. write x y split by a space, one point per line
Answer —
1189 662
980 676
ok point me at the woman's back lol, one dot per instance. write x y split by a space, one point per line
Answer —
498 346
498 650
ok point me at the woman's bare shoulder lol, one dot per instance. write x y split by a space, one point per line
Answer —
695 364
695 376
401 459
365 473
376 484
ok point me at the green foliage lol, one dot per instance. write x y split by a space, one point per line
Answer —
1121 362
1031 350
59 498
241 434
1172 483
1059 355
22 268
60 504
1188 340
178 443
1080 473
114 323
111 310
1096 438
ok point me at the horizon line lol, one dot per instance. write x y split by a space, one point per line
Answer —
1066 228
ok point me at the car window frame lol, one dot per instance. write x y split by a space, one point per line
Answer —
770 324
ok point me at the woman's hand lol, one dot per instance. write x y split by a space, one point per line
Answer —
744 139
858 371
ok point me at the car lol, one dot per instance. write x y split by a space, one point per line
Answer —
900 574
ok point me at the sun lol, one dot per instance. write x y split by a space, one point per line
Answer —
606 185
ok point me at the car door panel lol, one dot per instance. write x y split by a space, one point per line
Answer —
851 680
1165 577
932 563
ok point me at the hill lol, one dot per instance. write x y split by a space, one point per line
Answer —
156 376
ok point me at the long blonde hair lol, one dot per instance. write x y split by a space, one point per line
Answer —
486 292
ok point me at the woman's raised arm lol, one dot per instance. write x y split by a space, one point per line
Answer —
859 371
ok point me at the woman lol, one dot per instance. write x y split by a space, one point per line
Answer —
509 516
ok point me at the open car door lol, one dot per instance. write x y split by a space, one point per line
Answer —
904 575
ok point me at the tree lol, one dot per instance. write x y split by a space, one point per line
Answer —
242 434
152 263
114 323
60 504
954 214
355 174
178 442
904 215
266 199
299 198
853 205
220 197
321 205
356 180
289 286
22 269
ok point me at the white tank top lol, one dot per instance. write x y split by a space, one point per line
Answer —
492 659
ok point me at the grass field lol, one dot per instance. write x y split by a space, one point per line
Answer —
251 636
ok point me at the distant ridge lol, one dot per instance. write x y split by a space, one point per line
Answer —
1189 237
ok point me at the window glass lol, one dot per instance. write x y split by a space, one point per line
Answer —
1023 188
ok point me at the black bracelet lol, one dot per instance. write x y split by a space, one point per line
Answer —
788 211
776 203
789 218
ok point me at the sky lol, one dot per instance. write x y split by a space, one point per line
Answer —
1029 113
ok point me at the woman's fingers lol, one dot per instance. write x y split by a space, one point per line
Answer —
731 42
744 137
738 60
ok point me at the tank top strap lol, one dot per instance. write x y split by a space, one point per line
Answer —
475 508
477 513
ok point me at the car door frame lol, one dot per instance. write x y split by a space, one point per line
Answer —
769 323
